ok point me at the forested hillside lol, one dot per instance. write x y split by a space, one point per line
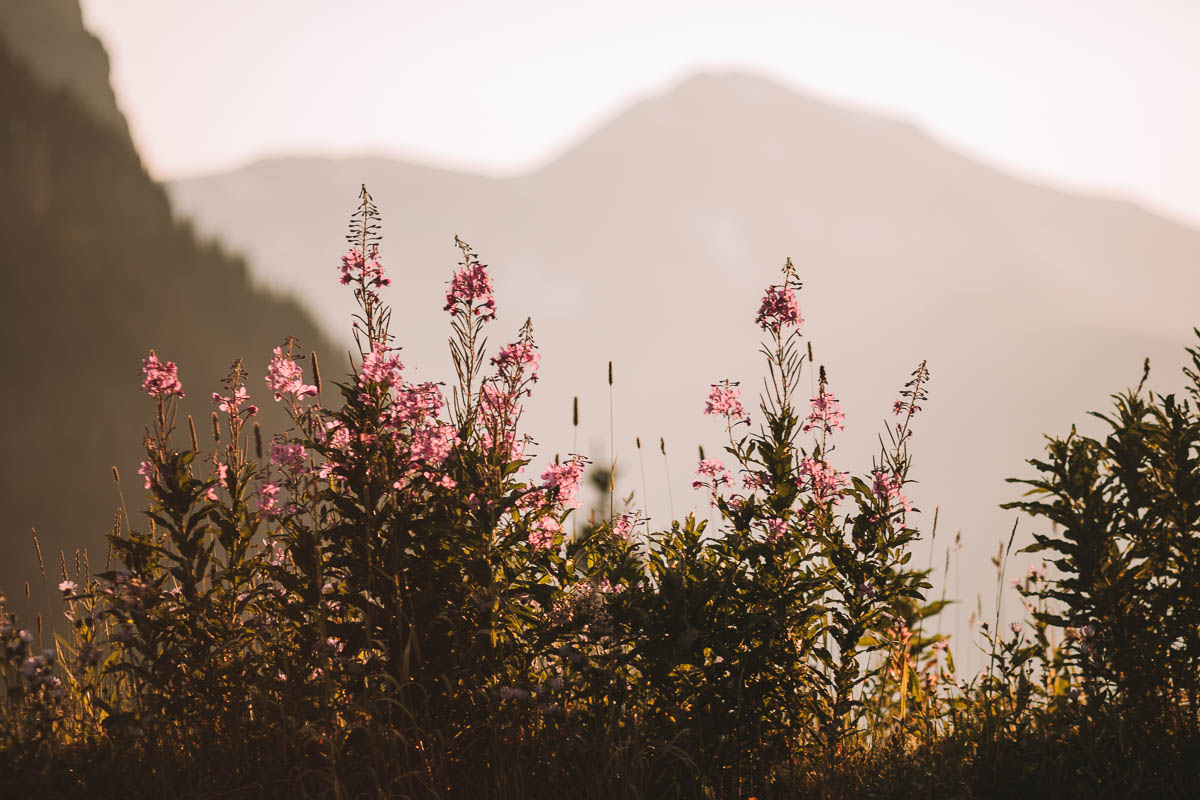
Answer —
96 271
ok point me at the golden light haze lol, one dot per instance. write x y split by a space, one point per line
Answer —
1100 96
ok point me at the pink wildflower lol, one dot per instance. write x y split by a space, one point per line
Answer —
826 414
471 288
496 404
160 378
561 481
605 586
778 308
1015 628
889 488
289 456
415 402
542 535
824 480
146 470
513 358
755 480
268 504
223 475
776 528
715 470
434 444
723 401
336 435
285 376
897 406
498 412
380 367
624 525
367 270
230 405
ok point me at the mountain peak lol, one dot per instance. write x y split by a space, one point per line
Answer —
741 115
735 82
734 90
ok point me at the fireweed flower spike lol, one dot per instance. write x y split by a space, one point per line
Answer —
379 367
161 378
779 307
622 527
717 476
723 400
714 470
512 360
776 529
889 488
561 481
824 481
471 288
544 533
290 457
285 376
364 269
230 405
268 502
826 414
146 470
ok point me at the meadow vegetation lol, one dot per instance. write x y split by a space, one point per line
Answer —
393 598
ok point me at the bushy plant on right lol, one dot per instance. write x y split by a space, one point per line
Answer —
1126 508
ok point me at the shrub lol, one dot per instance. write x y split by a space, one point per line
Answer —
1127 550
382 600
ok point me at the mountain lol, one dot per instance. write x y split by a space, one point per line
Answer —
649 243
98 270
49 38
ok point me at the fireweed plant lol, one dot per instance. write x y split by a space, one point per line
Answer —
386 599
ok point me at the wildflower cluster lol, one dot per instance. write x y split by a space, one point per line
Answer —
561 481
828 554
724 400
825 482
286 377
826 414
513 359
471 290
363 268
160 379
384 600
779 307
889 489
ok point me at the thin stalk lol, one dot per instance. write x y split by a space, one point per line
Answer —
612 454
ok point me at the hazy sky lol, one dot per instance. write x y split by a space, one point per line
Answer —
1094 94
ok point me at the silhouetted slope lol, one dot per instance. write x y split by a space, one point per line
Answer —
49 38
96 272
